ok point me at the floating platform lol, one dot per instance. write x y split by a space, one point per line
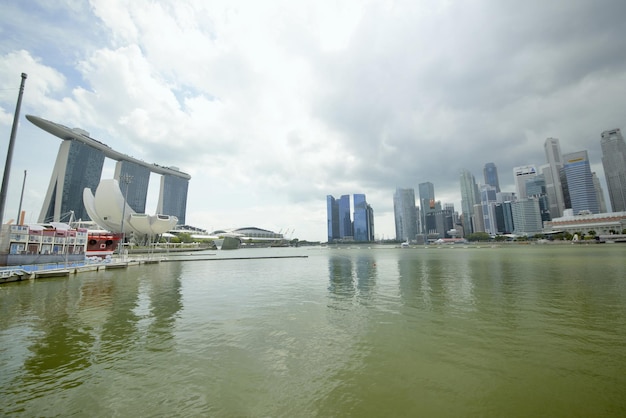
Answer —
114 266
44 274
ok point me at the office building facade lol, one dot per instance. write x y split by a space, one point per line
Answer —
427 203
332 215
135 178
173 196
488 200
345 219
405 214
469 197
526 216
490 173
360 228
440 222
582 192
362 219
78 166
599 193
521 174
552 173
614 164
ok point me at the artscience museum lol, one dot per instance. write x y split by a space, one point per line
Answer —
109 210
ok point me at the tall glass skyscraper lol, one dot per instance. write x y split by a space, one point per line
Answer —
332 215
488 202
339 220
469 198
405 214
173 197
490 172
552 176
427 203
345 219
78 166
614 163
580 182
361 219
138 178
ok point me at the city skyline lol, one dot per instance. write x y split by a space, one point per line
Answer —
331 100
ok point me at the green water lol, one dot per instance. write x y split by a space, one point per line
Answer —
502 332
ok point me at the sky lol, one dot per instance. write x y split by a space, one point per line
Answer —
271 106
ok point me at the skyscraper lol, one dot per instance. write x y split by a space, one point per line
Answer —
469 198
521 174
78 166
345 219
362 218
552 175
138 178
405 214
339 219
427 203
490 173
599 193
580 182
614 163
488 204
332 215
536 188
526 216
173 197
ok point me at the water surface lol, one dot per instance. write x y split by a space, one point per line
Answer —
508 331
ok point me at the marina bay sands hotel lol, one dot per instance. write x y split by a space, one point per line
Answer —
79 165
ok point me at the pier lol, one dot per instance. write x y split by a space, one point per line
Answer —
43 271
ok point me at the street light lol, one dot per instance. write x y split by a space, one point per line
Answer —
126 178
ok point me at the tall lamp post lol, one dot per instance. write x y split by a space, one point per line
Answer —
7 166
126 179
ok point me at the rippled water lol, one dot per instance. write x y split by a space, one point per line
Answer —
507 331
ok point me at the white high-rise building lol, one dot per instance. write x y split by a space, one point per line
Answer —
526 216
552 174
405 214
469 197
614 163
599 193
522 174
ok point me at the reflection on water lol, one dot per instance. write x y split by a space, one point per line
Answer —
349 277
509 331
81 327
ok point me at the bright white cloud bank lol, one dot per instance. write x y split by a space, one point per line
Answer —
270 106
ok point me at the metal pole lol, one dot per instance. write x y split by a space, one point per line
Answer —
7 165
126 178
19 210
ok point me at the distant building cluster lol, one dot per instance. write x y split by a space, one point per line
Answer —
549 196
342 227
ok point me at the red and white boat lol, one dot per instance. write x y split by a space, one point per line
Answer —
101 243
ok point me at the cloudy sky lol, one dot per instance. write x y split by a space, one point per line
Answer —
272 105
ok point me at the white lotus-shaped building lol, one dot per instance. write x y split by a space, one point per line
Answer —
108 206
